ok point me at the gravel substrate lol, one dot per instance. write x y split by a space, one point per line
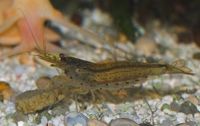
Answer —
168 110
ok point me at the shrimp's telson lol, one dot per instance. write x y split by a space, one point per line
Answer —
111 75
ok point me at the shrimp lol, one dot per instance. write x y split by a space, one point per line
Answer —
105 80
111 75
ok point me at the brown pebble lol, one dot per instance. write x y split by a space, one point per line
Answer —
193 100
5 90
43 83
49 124
123 38
147 46
95 122
196 55
26 59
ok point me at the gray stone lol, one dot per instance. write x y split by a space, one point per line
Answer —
123 122
75 118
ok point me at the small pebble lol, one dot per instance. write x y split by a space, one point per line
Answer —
75 119
123 122
190 123
43 83
94 122
196 55
20 123
188 108
5 91
193 99
181 117
182 124
167 99
26 59
167 122
165 106
44 120
57 121
174 106
145 124
146 46
49 124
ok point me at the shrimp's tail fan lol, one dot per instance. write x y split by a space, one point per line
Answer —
179 66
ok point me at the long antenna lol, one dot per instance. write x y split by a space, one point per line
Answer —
33 35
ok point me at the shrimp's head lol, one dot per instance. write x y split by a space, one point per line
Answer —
60 61
51 58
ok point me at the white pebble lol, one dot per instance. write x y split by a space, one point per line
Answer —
44 120
20 123
181 117
167 100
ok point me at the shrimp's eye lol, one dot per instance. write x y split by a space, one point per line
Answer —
62 57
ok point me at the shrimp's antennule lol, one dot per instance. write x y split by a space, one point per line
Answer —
52 58
180 67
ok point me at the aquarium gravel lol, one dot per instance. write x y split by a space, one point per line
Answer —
169 110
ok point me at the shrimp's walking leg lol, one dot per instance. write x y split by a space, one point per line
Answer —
94 100
78 91
93 96
76 102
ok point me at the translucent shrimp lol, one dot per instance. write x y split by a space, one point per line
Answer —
111 75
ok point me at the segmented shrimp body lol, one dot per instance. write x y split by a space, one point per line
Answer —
81 77
112 75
